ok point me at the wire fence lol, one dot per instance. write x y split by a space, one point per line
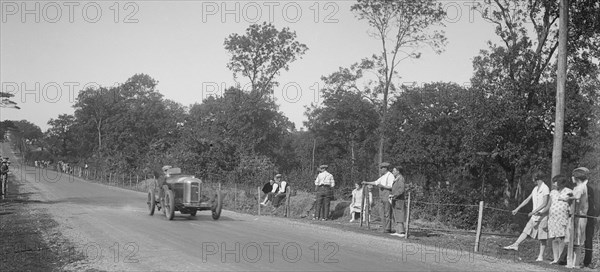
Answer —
422 214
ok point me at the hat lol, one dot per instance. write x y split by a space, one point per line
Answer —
384 164
583 169
580 173
278 175
166 167
323 166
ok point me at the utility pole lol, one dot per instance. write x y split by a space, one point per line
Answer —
561 79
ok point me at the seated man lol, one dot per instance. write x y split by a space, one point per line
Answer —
281 193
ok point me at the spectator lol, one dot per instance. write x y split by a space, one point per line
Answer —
356 206
274 189
593 190
281 193
558 218
537 227
397 200
384 182
324 187
580 195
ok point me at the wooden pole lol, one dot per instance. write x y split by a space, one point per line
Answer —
259 200
479 219
571 229
362 204
561 79
287 201
406 227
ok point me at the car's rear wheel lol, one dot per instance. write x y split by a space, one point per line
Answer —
193 213
217 206
151 202
169 205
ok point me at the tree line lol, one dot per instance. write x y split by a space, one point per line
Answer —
479 140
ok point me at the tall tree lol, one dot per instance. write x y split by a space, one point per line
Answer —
262 53
403 27
60 135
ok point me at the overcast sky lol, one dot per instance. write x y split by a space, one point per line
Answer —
51 50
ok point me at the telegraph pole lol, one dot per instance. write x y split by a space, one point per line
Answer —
561 79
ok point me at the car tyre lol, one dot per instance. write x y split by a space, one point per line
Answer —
217 206
193 213
151 202
169 203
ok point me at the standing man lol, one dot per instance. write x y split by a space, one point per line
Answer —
324 188
593 190
535 227
397 200
384 182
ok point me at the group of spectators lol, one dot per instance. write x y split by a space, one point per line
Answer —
275 191
391 191
41 164
549 218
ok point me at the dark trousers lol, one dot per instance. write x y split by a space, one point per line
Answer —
589 239
386 210
323 200
588 244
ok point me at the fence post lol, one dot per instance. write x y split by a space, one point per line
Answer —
362 204
258 200
287 201
479 219
235 195
368 210
571 229
130 180
406 227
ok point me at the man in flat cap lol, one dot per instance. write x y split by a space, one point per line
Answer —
324 188
384 182
593 190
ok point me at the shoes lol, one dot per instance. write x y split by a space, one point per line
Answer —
539 260
401 235
323 219
351 220
554 262
315 218
511 247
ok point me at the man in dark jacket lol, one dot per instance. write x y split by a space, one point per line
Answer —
593 187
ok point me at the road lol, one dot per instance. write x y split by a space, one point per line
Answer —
112 228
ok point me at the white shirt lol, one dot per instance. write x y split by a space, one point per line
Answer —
282 187
386 179
324 178
537 195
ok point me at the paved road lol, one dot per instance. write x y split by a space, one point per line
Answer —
112 228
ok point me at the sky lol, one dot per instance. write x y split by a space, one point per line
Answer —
50 50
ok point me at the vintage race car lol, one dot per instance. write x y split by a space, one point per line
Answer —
186 194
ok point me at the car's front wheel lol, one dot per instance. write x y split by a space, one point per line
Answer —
169 205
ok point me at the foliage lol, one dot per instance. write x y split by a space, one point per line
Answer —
262 53
407 24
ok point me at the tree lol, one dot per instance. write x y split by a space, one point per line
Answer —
262 53
515 84
5 102
343 127
403 28
60 135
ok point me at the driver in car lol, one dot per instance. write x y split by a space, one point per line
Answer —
162 180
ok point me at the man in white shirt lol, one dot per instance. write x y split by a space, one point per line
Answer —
537 227
324 188
384 182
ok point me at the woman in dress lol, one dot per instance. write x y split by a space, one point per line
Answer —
559 214
355 205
